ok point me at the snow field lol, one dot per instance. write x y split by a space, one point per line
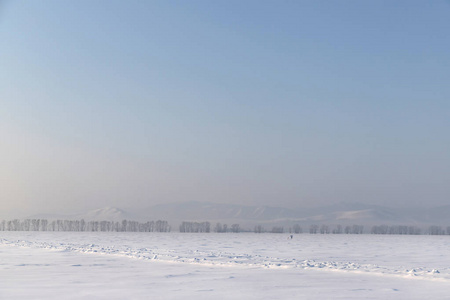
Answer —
225 266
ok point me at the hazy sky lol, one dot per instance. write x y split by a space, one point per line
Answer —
283 103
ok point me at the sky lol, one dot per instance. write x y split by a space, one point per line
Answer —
280 103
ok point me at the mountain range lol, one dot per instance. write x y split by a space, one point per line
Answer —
342 213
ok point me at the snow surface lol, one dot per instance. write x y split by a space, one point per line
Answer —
71 265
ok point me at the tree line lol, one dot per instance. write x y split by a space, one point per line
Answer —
206 227
357 229
82 225
313 229
186 226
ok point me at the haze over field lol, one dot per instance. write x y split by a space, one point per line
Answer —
226 149
290 104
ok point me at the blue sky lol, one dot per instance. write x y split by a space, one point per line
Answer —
291 103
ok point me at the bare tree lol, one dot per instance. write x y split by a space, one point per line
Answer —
235 228
277 229
259 229
297 228
313 229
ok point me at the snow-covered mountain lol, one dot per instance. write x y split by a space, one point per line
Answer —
101 214
107 214
341 213
437 215
368 216
195 210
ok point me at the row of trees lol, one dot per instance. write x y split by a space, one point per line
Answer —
438 230
358 229
339 229
195 227
313 229
275 229
397 229
163 226
82 225
403 229
206 227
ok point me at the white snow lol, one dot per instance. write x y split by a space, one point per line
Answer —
71 265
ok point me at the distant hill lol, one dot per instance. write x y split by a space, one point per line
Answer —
101 214
195 210
367 216
107 214
341 213
437 215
